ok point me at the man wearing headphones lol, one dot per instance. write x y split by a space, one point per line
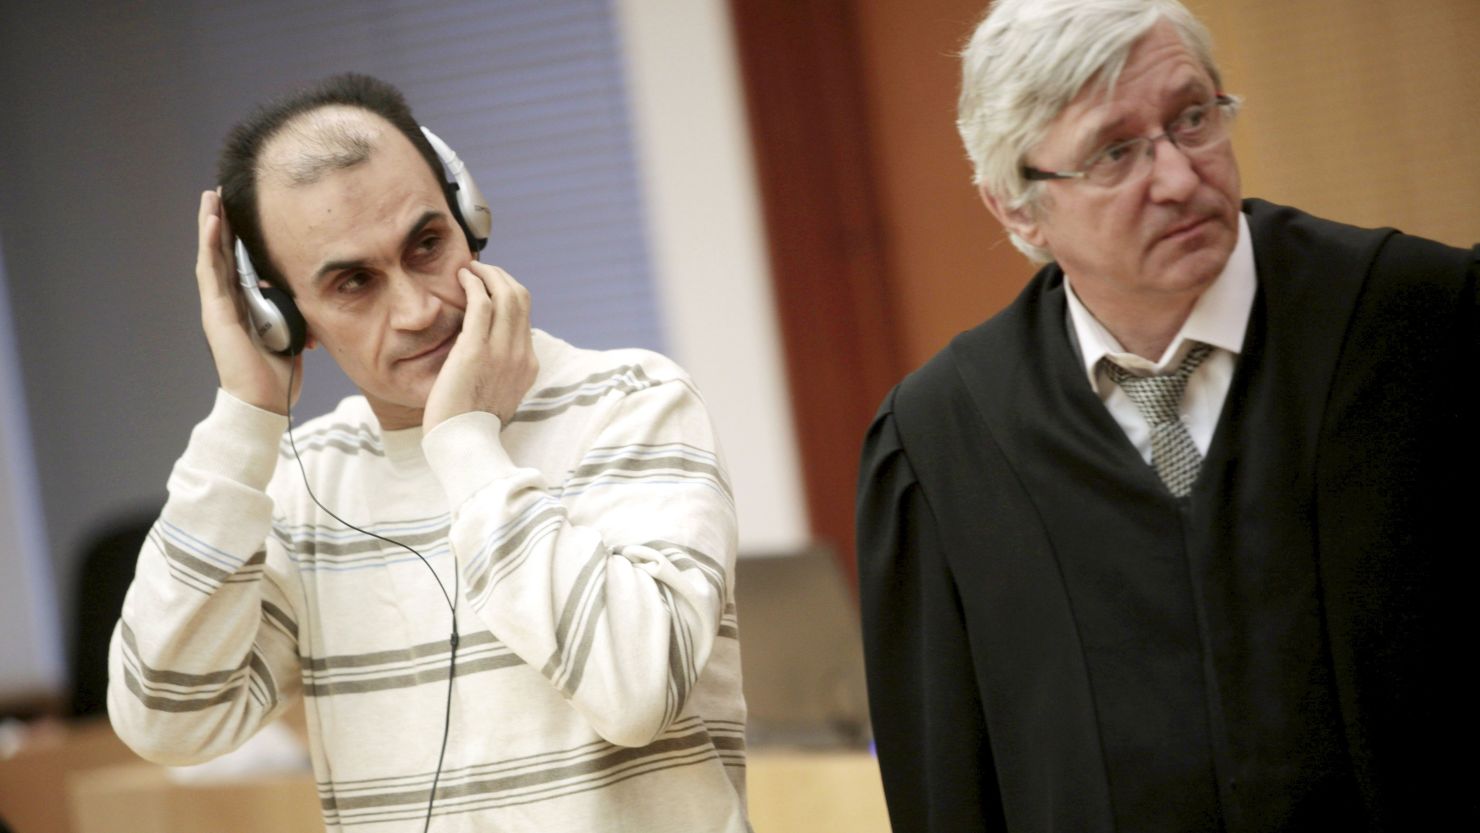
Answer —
502 577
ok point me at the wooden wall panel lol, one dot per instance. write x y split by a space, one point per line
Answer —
811 134
949 264
1365 111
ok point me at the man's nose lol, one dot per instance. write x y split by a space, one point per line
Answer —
1173 177
413 305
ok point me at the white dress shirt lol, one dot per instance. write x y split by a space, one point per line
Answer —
1219 318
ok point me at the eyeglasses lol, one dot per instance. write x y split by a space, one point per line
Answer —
1198 127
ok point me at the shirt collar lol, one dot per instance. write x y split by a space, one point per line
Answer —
1219 317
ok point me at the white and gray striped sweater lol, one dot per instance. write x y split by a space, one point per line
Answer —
598 669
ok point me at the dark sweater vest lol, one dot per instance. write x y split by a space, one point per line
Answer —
1161 664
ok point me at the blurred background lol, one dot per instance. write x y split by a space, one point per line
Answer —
770 191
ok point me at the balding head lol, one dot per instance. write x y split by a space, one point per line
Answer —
299 139
317 142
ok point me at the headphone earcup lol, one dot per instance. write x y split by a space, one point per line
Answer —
466 201
297 329
473 211
272 314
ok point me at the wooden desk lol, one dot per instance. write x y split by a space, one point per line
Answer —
815 792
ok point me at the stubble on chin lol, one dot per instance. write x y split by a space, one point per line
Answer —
1197 268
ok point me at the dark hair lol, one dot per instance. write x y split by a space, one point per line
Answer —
238 169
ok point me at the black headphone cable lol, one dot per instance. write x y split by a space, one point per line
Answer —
451 598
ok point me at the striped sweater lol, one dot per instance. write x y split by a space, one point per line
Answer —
590 546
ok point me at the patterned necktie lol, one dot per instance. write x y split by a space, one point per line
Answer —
1173 453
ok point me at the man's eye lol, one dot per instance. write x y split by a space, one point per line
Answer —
427 251
1192 120
352 283
1116 153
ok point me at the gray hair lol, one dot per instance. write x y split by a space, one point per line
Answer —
1028 59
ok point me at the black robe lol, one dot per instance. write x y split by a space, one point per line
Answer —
1055 643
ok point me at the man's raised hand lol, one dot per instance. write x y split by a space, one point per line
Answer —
492 364
247 370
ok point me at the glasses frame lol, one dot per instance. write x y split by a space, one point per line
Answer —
1228 104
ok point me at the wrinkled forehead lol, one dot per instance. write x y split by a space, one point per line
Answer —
328 200
1159 61
1161 76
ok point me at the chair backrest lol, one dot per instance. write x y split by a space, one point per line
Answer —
103 577
801 652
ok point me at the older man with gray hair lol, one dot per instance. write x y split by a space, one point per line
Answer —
1174 542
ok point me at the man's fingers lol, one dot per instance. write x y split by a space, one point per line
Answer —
493 364
228 240
478 313
497 305
501 286
212 264
207 229
221 306
511 299
498 281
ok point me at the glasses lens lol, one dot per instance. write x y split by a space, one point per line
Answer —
1198 127
1114 164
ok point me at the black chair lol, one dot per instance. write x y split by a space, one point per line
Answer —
102 581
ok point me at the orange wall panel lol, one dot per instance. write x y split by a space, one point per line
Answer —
948 262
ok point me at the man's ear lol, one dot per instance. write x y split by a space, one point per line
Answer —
1019 221
309 342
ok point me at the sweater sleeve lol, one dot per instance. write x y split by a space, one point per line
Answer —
205 652
929 727
612 585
